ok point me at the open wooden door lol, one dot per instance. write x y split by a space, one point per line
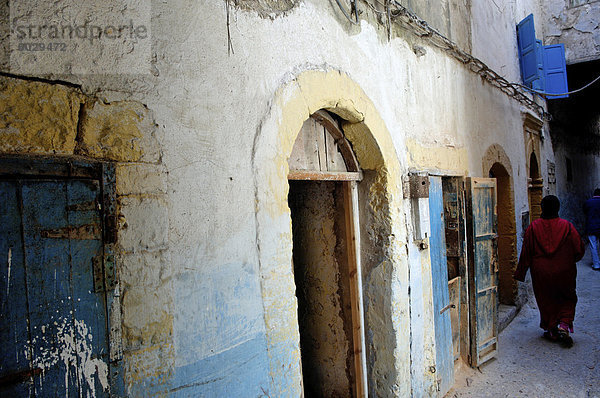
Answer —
482 268
441 299
453 188
323 200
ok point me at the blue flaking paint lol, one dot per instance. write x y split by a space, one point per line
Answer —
439 275
241 371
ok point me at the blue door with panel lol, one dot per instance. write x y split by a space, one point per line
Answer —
53 320
441 297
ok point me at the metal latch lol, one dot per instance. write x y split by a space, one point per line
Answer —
446 308
417 187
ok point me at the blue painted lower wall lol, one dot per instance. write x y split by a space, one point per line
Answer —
241 371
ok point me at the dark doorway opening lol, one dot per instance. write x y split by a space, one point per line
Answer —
507 229
320 258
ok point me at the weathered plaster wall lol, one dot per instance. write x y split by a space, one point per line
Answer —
206 284
494 33
576 24
449 17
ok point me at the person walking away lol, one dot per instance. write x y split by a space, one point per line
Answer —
591 208
551 248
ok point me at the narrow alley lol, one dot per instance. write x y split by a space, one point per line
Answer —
527 365
293 198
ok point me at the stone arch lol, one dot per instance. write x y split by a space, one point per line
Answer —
496 164
385 277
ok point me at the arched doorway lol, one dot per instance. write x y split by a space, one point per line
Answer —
507 289
323 201
496 164
382 231
535 188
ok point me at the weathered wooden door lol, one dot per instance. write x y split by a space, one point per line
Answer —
53 324
455 234
439 275
483 268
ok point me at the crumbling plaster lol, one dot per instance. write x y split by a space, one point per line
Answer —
578 28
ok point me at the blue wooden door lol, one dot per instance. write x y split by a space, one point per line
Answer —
439 276
53 324
483 268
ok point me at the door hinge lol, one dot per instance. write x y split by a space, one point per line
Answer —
98 273
109 269
104 272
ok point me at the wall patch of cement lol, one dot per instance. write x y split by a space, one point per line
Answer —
448 158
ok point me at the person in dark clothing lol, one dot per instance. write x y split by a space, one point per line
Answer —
591 208
551 248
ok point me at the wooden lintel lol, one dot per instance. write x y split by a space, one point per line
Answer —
324 175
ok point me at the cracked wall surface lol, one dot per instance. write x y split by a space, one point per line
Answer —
574 24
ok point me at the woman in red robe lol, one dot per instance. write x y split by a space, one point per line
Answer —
551 248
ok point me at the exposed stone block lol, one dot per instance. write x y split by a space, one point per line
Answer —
38 117
121 131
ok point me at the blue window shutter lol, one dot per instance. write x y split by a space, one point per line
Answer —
528 57
555 70
540 83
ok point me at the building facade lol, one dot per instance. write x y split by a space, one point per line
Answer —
273 198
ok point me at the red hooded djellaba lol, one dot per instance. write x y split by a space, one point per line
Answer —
551 248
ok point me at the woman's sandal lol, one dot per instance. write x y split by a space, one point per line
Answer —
564 338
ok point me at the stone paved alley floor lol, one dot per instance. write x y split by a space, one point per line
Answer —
529 366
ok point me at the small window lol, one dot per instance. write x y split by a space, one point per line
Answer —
569 170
